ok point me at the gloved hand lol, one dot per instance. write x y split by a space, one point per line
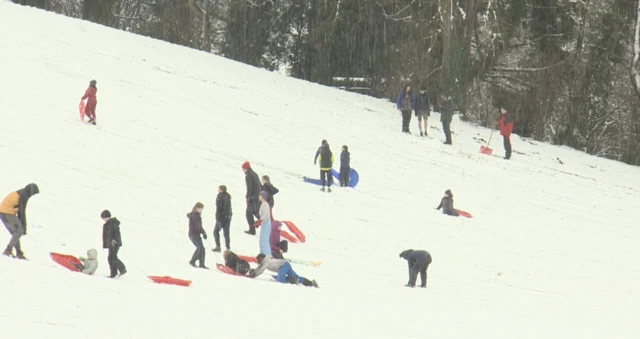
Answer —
251 273
113 243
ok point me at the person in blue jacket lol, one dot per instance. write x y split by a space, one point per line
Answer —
345 166
405 103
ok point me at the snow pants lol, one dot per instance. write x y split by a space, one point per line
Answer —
446 127
286 273
90 109
419 267
344 176
223 225
265 234
14 226
252 213
115 265
507 146
406 119
326 177
198 254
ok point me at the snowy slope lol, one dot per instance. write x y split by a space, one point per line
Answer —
552 251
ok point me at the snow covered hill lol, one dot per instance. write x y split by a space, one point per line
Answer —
552 250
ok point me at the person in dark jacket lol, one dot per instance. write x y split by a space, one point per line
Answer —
345 166
405 104
325 157
505 122
112 240
447 204
418 262
195 229
223 218
422 110
232 261
13 213
446 115
271 190
252 197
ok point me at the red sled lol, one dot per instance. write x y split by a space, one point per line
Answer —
228 270
288 236
66 260
247 259
464 213
81 108
170 281
296 231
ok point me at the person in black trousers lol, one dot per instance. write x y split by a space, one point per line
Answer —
112 240
195 229
345 166
418 263
446 115
223 218
253 192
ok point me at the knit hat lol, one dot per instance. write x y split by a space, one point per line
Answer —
260 257
448 192
324 141
105 214
246 165
405 254
264 195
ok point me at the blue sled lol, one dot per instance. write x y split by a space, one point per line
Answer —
354 178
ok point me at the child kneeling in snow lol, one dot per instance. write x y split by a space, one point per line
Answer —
286 274
90 263
232 261
447 204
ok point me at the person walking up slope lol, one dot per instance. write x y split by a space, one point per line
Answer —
271 190
265 224
345 166
447 204
253 191
325 157
418 263
505 122
13 213
92 102
195 229
112 240
223 218
405 104
446 116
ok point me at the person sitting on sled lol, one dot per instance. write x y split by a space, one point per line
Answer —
286 274
232 261
90 263
277 247
447 204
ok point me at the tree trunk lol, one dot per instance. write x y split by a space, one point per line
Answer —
635 76
98 11
206 24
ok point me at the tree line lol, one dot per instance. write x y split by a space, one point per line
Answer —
566 69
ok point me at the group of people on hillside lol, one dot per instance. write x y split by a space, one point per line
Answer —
325 158
408 102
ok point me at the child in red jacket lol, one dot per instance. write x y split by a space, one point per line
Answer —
506 127
92 102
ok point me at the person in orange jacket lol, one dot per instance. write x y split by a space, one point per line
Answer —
92 102
13 213
505 122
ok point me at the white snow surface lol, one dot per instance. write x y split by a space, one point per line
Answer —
552 250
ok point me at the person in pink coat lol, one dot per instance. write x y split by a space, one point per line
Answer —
278 248
92 102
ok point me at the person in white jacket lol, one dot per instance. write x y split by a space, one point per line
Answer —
286 274
90 263
265 225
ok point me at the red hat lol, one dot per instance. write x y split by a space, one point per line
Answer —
246 165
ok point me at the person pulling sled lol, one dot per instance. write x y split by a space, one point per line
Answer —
92 102
112 240
286 274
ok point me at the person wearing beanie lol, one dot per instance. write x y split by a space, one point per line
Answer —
405 103
418 262
271 190
286 274
112 240
446 116
345 166
223 218
92 102
252 197
422 110
325 157
505 122
265 224
13 213
195 230
447 204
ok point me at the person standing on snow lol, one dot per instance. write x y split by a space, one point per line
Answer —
286 274
505 121
112 240
92 102
325 157
422 110
13 213
278 248
446 116
253 191
405 104
90 263
418 263
447 204
223 218
265 224
271 190
195 229
345 166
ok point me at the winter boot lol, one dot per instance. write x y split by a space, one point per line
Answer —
314 284
217 249
8 252
322 189
329 190
192 263
250 232
21 256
